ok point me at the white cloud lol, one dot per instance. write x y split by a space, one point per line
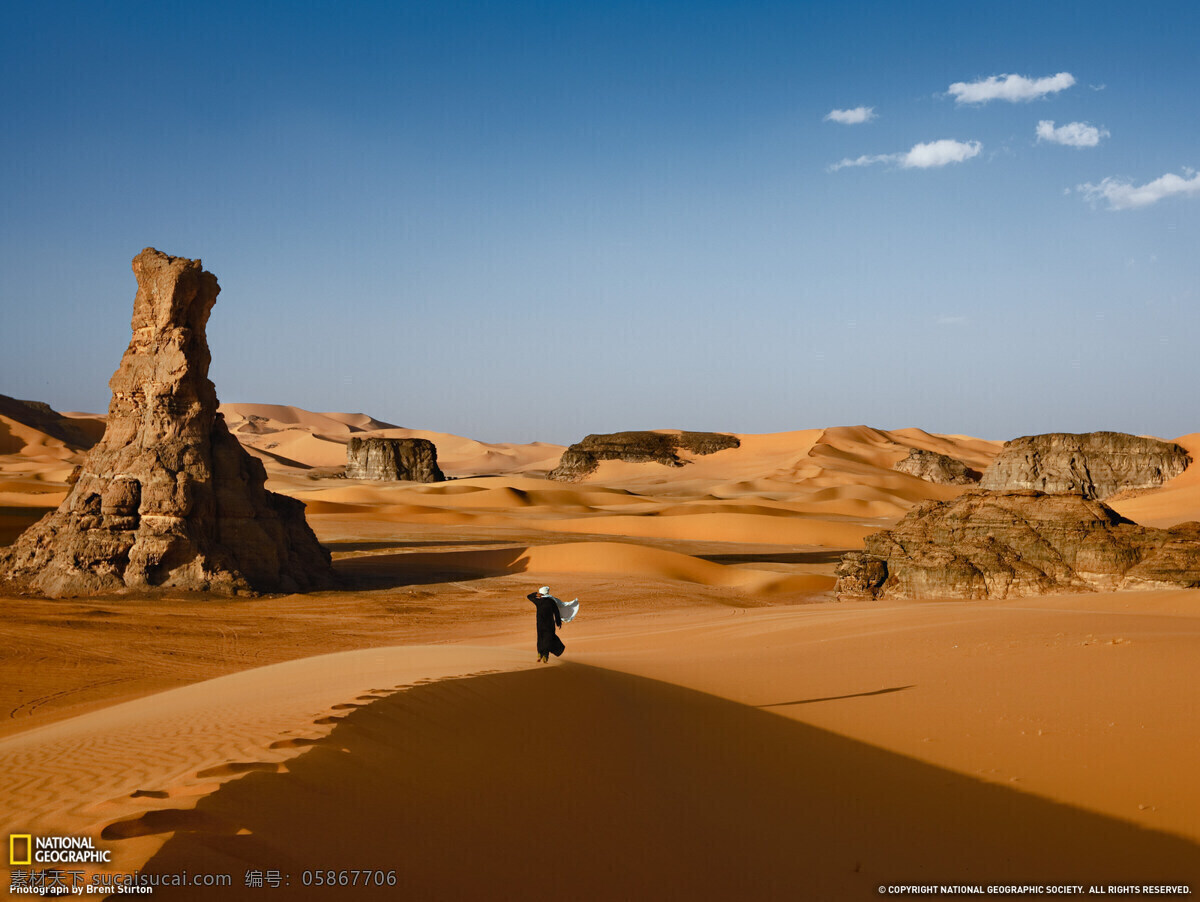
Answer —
1012 88
851 117
1124 195
1073 134
921 156
866 160
939 153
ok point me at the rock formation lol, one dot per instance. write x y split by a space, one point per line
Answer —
582 458
1000 544
168 498
1095 464
934 467
414 459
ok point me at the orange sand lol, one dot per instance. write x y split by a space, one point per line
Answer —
719 727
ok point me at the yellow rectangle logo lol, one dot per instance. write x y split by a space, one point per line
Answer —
14 841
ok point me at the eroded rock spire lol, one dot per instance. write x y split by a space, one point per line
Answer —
169 498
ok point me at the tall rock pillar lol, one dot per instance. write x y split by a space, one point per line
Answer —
168 498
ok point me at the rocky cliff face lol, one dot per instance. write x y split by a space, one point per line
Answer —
934 467
168 498
1095 464
1000 544
414 459
582 458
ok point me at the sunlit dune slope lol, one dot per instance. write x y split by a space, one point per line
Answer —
543 562
294 438
1176 502
83 775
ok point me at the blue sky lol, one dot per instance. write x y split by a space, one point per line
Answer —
522 221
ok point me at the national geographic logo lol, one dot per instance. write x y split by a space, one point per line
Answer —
20 849
24 849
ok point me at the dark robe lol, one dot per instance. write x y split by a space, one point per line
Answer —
548 618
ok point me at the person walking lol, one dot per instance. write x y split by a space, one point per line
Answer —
548 617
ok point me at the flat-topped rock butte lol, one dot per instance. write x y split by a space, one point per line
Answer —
393 459
581 459
1095 464
168 498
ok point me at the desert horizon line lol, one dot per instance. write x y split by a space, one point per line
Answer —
388 424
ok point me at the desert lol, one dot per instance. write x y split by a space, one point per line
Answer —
599 451
735 714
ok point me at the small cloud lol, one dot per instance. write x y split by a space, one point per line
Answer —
939 153
1100 87
1013 88
855 116
1073 134
1122 194
865 160
922 156
950 320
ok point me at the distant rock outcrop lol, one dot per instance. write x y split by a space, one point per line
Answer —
582 458
939 468
1094 464
1000 544
44 418
413 459
168 498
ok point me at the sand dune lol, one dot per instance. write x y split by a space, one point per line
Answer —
101 774
291 437
1176 502
723 528
1078 699
720 729
598 785
837 472
33 444
543 563
274 417
818 751
830 486
459 456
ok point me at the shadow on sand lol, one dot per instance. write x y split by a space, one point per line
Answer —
835 698
352 546
391 571
15 520
790 557
574 782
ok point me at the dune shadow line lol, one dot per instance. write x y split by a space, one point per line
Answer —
389 571
598 785
790 557
836 698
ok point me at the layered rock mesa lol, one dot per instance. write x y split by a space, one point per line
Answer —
582 458
986 544
1094 464
937 468
168 498
413 459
